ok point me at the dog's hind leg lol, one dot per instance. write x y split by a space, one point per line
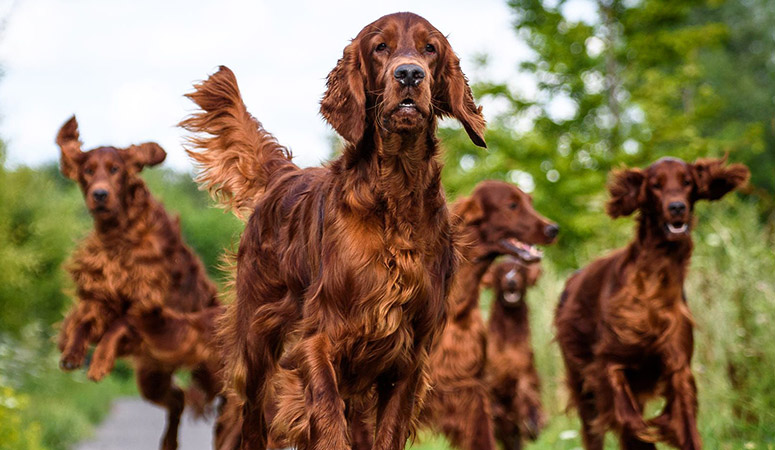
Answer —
156 386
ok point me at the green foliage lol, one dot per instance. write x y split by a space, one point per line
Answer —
645 79
40 219
15 433
43 407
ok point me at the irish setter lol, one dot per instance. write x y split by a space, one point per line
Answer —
497 219
342 271
623 322
512 380
133 263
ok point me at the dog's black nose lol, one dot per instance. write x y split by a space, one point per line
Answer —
409 74
100 195
552 230
676 208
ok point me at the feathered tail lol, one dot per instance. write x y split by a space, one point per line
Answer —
237 155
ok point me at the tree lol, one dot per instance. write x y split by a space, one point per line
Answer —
634 84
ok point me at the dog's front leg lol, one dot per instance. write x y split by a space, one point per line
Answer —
627 411
678 421
395 410
107 349
325 406
75 335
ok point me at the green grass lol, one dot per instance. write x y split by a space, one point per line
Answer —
53 410
731 292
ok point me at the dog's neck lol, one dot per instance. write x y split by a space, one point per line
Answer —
408 188
464 295
403 159
509 323
654 253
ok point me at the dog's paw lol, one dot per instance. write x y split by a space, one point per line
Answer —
534 424
98 371
71 361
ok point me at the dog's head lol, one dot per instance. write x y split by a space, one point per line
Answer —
510 280
500 220
103 173
399 73
666 191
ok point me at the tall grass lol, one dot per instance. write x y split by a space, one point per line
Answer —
731 292
43 408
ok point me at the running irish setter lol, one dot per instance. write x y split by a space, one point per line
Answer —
512 380
497 219
342 271
133 263
623 322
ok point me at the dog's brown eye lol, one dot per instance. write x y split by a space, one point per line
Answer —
114 169
687 182
513 205
657 185
430 48
88 171
380 47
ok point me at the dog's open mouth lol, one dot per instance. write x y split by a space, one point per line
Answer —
677 227
407 103
512 297
525 252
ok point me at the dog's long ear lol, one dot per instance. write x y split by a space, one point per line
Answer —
344 103
713 178
453 97
138 156
70 146
469 210
532 273
626 189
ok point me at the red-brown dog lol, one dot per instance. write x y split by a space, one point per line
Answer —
512 379
134 262
623 322
343 271
497 219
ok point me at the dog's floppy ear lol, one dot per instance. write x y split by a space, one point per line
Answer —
713 178
626 189
344 103
138 156
532 273
453 97
469 209
70 146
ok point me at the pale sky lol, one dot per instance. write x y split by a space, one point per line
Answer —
122 67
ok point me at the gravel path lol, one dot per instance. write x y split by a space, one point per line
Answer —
134 424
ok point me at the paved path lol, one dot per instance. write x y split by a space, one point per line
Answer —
134 424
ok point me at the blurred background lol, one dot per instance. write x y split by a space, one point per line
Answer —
571 89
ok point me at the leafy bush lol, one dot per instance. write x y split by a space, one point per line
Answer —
42 407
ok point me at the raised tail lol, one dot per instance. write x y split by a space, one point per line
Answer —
235 155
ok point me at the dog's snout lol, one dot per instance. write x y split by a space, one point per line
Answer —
676 208
100 195
552 230
409 74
